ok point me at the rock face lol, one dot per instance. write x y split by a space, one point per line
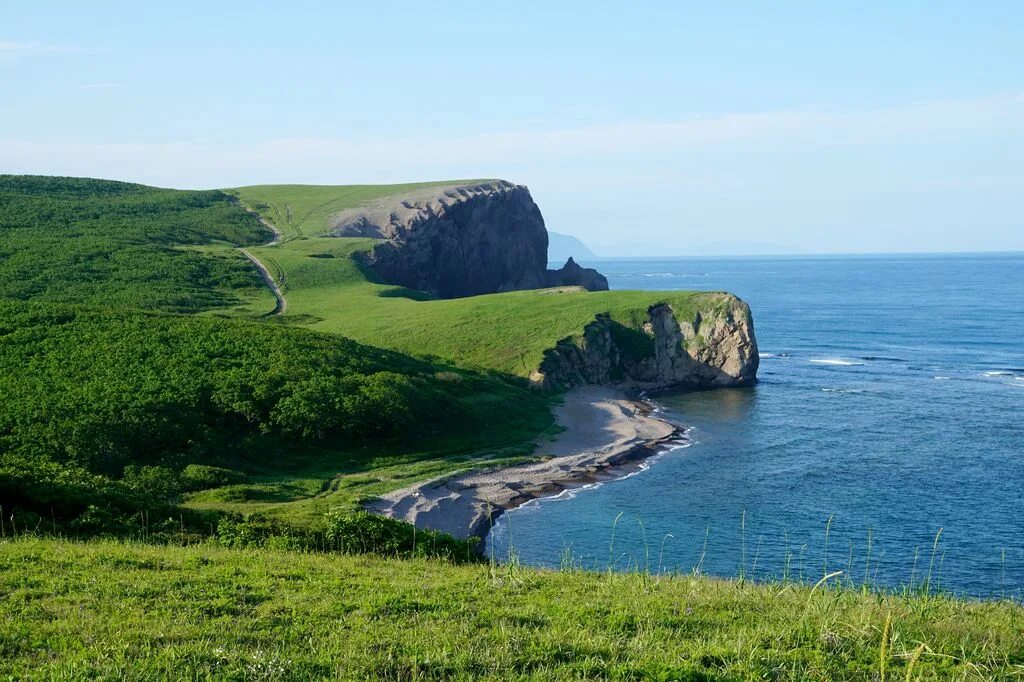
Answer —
461 240
572 274
716 347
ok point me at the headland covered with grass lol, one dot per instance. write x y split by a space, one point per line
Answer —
138 350
185 462
329 288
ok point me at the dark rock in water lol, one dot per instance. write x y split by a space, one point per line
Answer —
716 347
461 240
573 274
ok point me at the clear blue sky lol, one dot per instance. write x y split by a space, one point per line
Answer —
643 128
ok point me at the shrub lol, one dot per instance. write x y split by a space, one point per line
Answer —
158 482
203 476
347 532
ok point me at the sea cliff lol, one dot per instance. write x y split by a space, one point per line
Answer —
461 240
714 347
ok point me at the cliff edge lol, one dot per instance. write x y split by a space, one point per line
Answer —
461 240
710 347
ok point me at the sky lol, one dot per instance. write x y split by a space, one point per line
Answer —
643 128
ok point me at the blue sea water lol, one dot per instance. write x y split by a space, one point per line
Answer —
890 400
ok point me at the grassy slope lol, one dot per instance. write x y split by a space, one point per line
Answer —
117 611
304 210
94 391
506 332
93 380
120 245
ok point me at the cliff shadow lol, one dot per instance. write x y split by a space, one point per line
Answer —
367 271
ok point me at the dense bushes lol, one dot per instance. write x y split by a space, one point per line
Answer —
347 531
113 405
118 405
76 240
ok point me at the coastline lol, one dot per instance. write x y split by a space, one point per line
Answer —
606 436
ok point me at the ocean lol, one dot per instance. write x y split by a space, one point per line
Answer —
885 438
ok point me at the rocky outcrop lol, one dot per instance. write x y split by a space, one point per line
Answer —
573 274
461 240
714 346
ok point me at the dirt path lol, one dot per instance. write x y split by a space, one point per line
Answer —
282 304
275 287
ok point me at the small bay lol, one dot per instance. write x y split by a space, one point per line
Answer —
890 406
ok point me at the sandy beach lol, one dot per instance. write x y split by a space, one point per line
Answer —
606 435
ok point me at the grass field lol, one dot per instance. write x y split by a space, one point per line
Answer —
329 291
305 210
107 610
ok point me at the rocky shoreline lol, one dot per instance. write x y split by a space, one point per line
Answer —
607 435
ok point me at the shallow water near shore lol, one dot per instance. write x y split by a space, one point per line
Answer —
891 400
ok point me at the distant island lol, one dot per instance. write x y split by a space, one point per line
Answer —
562 247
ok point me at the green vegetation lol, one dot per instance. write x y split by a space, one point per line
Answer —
118 245
114 405
107 610
112 402
146 397
328 290
117 408
305 210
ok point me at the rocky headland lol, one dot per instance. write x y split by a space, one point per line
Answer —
465 240
713 347
461 240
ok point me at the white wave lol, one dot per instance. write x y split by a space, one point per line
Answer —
843 390
835 361
942 378
998 373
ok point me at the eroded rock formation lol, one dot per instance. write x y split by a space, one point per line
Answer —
461 240
714 347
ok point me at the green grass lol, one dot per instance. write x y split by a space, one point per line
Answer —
328 290
305 210
106 610
303 491
120 245
102 372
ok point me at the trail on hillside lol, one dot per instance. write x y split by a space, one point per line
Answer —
275 287
282 304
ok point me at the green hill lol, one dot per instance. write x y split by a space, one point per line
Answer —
329 290
111 394
111 378
304 210
119 245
